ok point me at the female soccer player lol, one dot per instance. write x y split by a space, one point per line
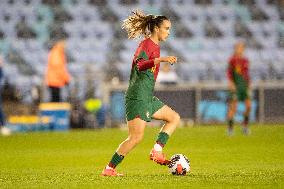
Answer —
239 86
141 105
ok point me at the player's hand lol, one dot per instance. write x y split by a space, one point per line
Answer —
232 86
170 59
249 92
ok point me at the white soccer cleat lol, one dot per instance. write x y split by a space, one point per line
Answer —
5 131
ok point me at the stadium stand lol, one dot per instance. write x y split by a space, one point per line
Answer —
202 36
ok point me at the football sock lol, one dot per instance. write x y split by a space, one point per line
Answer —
115 160
161 141
246 120
230 123
158 147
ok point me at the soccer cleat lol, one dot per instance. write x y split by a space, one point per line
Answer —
158 157
110 172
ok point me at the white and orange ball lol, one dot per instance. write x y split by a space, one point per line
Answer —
179 164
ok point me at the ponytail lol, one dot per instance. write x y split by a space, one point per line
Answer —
139 24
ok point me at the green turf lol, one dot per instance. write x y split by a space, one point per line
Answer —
75 159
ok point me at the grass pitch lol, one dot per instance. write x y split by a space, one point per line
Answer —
75 159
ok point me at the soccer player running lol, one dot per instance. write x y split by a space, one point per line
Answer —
239 87
140 103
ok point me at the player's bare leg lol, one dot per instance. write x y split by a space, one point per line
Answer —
246 116
136 132
232 108
172 120
136 129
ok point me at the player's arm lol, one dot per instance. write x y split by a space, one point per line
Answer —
143 61
248 75
143 64
169 59
232 86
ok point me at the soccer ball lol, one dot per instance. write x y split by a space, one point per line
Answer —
179 164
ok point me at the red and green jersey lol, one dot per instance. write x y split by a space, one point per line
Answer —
238 71
143 72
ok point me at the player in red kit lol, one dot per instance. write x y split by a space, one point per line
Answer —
140 103
239 87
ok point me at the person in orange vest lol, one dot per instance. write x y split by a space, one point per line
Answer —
57 75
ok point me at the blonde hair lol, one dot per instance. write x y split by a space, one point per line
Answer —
139 24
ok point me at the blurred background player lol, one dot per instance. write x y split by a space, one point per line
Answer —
239 87
3 130
57 75
1 108
141 105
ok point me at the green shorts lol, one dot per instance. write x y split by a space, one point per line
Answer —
239 94
144 109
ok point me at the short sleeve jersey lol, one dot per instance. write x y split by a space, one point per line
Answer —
143 72
238 71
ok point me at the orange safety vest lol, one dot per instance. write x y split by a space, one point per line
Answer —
57 74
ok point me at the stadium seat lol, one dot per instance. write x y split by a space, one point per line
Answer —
94 38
